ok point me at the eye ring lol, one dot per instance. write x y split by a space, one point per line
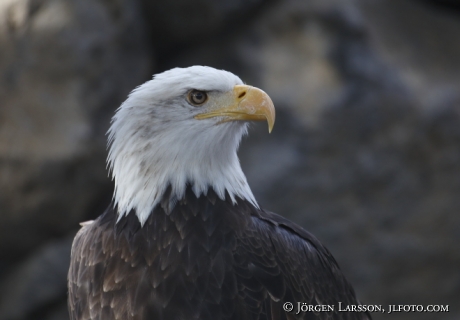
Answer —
197 97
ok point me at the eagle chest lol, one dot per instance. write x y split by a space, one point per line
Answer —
177 266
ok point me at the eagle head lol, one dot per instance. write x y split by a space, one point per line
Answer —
183 128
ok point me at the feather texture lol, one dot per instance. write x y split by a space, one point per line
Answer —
233 262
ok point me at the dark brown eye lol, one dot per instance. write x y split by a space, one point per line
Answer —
197 97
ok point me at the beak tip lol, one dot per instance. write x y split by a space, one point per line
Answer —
271 120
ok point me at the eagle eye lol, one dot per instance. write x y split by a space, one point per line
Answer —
197 97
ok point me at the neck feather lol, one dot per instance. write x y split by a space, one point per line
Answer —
175 158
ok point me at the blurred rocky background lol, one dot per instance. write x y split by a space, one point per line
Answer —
365 152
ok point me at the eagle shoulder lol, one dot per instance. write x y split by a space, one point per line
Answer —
293 266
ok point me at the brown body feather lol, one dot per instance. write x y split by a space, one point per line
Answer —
206 259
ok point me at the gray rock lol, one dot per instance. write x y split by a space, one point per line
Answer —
183 23
64 67
38 282
371 96
365 152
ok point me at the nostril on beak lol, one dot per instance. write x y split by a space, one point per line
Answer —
242 94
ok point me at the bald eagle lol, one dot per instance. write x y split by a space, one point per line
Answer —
184 237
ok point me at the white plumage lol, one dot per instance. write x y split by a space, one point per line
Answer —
156 142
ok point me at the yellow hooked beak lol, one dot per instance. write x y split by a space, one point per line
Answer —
245 104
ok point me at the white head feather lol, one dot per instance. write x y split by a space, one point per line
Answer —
156 142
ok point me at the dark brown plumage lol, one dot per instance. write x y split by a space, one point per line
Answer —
206 259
